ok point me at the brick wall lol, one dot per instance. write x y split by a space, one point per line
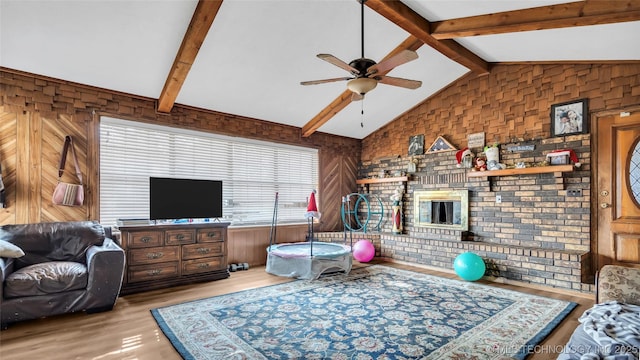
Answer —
537 234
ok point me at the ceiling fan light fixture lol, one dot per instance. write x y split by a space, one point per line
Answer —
362 85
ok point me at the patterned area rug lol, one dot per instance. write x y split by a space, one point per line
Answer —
376 312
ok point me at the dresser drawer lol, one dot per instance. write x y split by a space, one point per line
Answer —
179 237
149 272
211 235
144 239
153 255
203 265
195 251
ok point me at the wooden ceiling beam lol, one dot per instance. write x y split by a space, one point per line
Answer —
201 21
344 99
407 19
582 13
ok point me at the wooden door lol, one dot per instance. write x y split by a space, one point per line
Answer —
617 197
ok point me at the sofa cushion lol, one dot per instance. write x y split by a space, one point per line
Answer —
8 250
53 241
46 278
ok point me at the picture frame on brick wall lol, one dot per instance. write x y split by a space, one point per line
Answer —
569 118
416 145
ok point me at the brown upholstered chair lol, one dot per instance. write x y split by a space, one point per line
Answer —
613 283
618 283
66 267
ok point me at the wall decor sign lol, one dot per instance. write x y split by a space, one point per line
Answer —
569 118
520 147
416 145
475 141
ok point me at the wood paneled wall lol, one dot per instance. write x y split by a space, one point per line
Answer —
249 245
37 112
30 150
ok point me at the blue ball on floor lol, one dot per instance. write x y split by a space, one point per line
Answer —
469 266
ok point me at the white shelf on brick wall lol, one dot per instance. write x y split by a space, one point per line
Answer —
557 170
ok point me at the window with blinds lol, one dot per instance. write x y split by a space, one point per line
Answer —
252 171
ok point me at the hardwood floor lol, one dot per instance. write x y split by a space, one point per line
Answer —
130 332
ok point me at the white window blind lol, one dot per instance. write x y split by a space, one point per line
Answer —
251 171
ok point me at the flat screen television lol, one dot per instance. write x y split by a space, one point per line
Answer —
172 199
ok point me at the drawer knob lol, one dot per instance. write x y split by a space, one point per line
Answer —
154 272
145 239
204 265
203 250
152 256
180 236
211 234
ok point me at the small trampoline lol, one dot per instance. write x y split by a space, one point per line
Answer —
306 260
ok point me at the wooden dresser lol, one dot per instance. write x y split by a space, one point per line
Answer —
159 256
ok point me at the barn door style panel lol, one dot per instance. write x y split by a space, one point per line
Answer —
337 179
51 142
30 146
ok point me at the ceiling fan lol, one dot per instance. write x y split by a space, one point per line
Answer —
366 73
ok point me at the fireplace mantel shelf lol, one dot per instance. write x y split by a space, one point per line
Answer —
382 180
525 171
366 182
557 170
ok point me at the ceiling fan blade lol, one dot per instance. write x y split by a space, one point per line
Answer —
395 81
401 58
315 82
356 97
339 63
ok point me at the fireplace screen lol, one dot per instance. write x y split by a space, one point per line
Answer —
443 209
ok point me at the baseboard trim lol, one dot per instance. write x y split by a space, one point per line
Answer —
498 280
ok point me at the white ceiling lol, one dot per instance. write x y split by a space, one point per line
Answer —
257 51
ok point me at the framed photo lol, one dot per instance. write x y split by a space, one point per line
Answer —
569 118
416 145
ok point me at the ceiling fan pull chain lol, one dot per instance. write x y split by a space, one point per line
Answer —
362 113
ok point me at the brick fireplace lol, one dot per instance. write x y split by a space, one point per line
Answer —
536 234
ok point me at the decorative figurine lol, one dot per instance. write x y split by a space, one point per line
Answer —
397 211
480 164
493 157
464 158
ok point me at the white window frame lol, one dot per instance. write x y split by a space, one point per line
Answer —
252 171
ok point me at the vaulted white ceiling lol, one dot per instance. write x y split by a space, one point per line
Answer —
257 51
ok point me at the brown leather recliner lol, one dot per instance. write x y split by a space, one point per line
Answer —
67 267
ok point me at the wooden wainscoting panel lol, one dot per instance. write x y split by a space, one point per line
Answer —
53 134
23 168
8 160
249 245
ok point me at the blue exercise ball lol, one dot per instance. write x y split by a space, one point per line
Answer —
469 266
